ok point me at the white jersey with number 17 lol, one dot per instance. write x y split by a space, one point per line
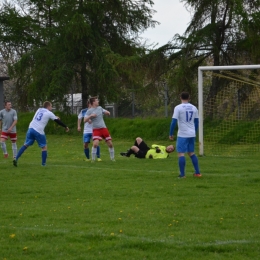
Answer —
40 119
185 114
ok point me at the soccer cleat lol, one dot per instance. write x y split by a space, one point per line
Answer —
181 177
125 154
87 160
113 160
15 163
6 155
99 160
198 175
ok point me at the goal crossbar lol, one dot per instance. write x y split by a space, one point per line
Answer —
200 93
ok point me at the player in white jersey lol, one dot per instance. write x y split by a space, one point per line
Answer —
8 121
100 131
87 133
186 115
36 131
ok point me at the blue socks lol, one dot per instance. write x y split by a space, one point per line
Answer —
44 157
86 151
98 152
195 163
182 163
22 149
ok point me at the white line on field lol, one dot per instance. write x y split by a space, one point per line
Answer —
170 240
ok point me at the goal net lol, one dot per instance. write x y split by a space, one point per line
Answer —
230 112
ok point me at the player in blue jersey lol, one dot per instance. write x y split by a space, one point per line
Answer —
36 131
100 131
186 115
87 133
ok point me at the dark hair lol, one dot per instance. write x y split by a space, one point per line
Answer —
7 101
185 96
92 100
46 104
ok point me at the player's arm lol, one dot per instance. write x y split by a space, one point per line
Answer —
87 118
196 123
106 112
156 147
79 123
172 127
13 124
59 122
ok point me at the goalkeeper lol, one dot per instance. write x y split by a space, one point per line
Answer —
141 150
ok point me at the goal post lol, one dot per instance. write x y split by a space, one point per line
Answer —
202 69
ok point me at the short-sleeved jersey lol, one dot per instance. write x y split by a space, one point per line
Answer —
88 128
162 155
185 113
98 121
40 119
7 118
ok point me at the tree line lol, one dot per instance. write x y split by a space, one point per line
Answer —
52 48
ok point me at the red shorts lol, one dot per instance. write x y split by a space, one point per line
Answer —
13 136
101 133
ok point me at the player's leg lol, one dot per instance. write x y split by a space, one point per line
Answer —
181 149
3 138
86 141
111 149
107 137
42 142
13 138
193 157
94 150
98 148
29 140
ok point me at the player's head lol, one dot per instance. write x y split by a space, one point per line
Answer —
93 101
47 105
185 96
170 149
8 105
88 103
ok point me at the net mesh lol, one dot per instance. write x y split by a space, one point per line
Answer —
232 116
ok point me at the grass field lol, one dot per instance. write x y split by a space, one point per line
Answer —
128 209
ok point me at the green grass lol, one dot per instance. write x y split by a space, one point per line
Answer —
130 209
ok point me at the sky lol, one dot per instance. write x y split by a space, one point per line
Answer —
173 18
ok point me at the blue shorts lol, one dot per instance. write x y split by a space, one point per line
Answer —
87 138
32 136
185 144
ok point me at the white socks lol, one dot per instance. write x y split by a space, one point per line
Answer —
14 147
3 145
112 153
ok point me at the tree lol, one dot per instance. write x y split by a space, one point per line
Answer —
65 41
215 33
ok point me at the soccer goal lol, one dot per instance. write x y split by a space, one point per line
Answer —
229 110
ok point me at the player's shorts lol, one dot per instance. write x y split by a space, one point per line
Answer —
143 149
87 137
13 136
185 144
32 136
101 133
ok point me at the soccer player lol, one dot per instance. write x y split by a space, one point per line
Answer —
8 121
141 150
87 133
100 131
186 115
36 131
